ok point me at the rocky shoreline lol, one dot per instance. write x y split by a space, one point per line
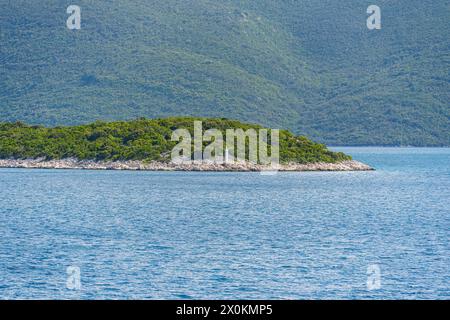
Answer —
350 165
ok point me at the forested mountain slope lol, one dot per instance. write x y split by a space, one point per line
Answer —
309 66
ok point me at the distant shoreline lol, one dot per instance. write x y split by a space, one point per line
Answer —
133 165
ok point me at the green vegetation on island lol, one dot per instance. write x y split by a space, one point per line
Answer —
141 139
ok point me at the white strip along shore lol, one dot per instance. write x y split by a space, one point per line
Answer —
350 165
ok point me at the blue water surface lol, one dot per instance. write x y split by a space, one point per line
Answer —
190 235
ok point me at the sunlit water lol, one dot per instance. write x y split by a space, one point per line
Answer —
150 235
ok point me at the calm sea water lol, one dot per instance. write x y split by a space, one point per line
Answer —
150 235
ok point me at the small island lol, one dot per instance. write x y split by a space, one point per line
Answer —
146 144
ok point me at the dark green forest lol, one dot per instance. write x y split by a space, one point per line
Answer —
312 67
